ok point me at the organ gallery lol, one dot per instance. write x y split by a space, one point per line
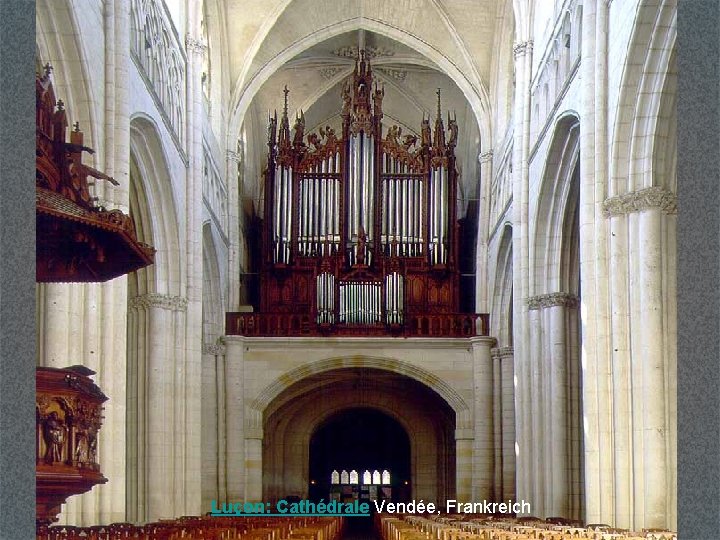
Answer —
360 233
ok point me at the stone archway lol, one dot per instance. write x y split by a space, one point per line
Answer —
292 418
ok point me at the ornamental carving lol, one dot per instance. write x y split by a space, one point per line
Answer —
397 74
644 199
551 300
521 49
214 349
502 352
156 49
351 51
164 301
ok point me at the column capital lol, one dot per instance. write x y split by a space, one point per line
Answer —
195 45
502 352
522 48
553 299
163 301
216 349
485 156
640 200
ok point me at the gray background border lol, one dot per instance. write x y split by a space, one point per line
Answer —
698 269
17 269
698 283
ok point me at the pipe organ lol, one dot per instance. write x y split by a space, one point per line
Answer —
360 233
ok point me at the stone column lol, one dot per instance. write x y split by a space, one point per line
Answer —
233 162
484 447
235 417
253 465
213 429
497 424
550 316
647 412
481 252
191 466
160 408
523 63
507 415
464 441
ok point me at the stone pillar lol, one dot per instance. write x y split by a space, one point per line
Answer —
481 252
192 373
644 218
160 418
497 425
464 441
235 417
507 415
484 447
521 255
253 465
213 425
233 162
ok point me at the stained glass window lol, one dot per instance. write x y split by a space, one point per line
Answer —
335 477
354 477
385 477
344 477
376 477
367 477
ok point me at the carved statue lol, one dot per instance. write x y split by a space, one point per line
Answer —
54 435
347 99
425 132
299 130
393 134
453 128
314 140
81 447
409 141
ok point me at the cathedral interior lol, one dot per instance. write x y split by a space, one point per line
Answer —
379 250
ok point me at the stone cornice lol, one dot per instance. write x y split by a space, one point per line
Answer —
553 299
502 352
643 199
164 301
521 49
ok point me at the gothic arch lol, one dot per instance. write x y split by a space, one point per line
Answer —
213 302
64 49
558 198
648 72
477 97
153 185
501 312
288 379
296 413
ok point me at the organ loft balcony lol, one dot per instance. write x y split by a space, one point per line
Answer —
360 235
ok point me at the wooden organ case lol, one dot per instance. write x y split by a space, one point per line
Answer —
360 233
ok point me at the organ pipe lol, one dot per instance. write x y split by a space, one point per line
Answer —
327 197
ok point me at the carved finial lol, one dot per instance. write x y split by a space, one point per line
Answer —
48 69
362 55
286 92
60 105
438 105
76 127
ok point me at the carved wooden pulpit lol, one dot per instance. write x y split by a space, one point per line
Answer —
77 240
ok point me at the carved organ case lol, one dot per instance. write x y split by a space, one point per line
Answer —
360 232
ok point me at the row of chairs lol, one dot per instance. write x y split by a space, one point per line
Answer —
481 527
205 528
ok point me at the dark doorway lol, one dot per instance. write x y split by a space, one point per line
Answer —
360 439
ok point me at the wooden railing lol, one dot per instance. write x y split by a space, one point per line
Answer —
445 325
